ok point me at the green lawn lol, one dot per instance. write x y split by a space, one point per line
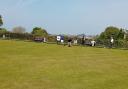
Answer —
29 65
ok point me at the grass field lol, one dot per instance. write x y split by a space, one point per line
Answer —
29 65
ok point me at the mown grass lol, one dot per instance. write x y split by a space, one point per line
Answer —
29 65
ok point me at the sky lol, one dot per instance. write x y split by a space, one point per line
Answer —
89 17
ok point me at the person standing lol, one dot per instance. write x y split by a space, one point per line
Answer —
44 40
69 42
83 40
111 42
93 43
75 42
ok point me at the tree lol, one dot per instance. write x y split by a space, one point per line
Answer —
102 36
118 34
110 32
126 35
39 32
121 34
1 22
3 30
18 29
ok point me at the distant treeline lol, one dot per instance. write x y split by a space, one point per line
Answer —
21 36
119 35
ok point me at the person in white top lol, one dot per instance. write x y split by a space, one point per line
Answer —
44 40
93 43
112 42
75 42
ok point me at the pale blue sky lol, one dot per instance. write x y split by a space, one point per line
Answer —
65 16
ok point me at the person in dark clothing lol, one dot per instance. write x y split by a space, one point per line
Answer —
69 42
83 40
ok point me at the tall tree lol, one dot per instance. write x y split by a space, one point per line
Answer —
39 32
110 32
1 21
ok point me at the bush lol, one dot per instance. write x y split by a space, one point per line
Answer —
121 44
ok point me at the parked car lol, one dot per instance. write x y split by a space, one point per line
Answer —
38 39
88 42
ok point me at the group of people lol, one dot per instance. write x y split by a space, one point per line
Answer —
60 39
75 41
